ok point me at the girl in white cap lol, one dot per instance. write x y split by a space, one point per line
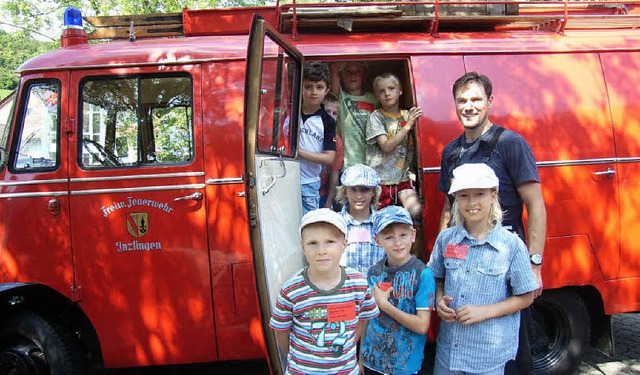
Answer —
483 279
359 194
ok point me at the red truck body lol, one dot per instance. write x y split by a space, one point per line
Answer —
136 211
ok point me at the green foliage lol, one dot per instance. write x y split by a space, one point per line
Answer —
15 49
44 16
4 93
42 19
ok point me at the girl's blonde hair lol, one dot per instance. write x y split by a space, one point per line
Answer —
341 195
495 213
391 76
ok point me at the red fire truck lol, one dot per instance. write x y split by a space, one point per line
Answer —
149 195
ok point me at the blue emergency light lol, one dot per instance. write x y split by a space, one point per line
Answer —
72 18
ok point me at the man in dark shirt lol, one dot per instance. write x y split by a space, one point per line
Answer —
509 155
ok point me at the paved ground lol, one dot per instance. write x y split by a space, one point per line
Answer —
626 335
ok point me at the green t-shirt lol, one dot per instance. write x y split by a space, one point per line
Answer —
354 115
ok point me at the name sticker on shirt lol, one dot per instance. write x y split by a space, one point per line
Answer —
359 235
341 312
366 106
456 251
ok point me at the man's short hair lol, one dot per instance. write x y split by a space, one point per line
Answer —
316 71
473 77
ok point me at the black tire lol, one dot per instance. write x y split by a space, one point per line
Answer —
32 345
560 333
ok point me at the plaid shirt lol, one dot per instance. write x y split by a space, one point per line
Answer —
489 272
362 251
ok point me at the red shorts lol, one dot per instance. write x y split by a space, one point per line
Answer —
389 194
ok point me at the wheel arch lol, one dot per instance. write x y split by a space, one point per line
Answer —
601 331
51 304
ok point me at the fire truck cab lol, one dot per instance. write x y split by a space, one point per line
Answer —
149 186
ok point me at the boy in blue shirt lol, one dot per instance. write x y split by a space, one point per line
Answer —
404 290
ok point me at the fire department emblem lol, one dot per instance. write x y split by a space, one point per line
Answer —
137 223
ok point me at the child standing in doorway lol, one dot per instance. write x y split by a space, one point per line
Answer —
389 150
483 279
347 83
404 290
331 173
322 309
317 133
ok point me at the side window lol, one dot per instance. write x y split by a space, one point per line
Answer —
134 121
37 147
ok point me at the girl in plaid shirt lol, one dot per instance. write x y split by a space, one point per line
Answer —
359 194
483 279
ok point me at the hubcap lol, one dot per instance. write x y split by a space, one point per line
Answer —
549 337
23 359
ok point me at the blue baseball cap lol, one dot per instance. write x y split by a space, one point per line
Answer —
360 175
391 215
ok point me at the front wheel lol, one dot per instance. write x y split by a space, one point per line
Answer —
560 332
32 345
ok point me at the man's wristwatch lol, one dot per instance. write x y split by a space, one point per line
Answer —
536 259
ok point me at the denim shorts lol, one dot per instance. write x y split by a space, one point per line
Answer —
310 196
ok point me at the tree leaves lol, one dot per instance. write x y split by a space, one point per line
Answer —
15 49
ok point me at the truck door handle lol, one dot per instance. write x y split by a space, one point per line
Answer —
609 173
197 196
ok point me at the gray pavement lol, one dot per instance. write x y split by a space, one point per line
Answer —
626 333
626 336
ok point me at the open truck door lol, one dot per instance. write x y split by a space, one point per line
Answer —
272 175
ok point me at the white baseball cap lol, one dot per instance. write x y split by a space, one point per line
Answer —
473 176
324 215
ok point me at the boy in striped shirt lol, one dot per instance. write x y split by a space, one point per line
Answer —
323 308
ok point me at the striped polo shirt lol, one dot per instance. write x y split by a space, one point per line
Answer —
323 323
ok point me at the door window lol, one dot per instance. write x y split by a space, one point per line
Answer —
134 121
37 147
277 124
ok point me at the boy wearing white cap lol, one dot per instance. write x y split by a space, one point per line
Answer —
322 308
404 290
359 194
483 279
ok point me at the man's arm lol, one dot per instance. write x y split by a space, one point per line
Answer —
531 194
445 216
282 337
